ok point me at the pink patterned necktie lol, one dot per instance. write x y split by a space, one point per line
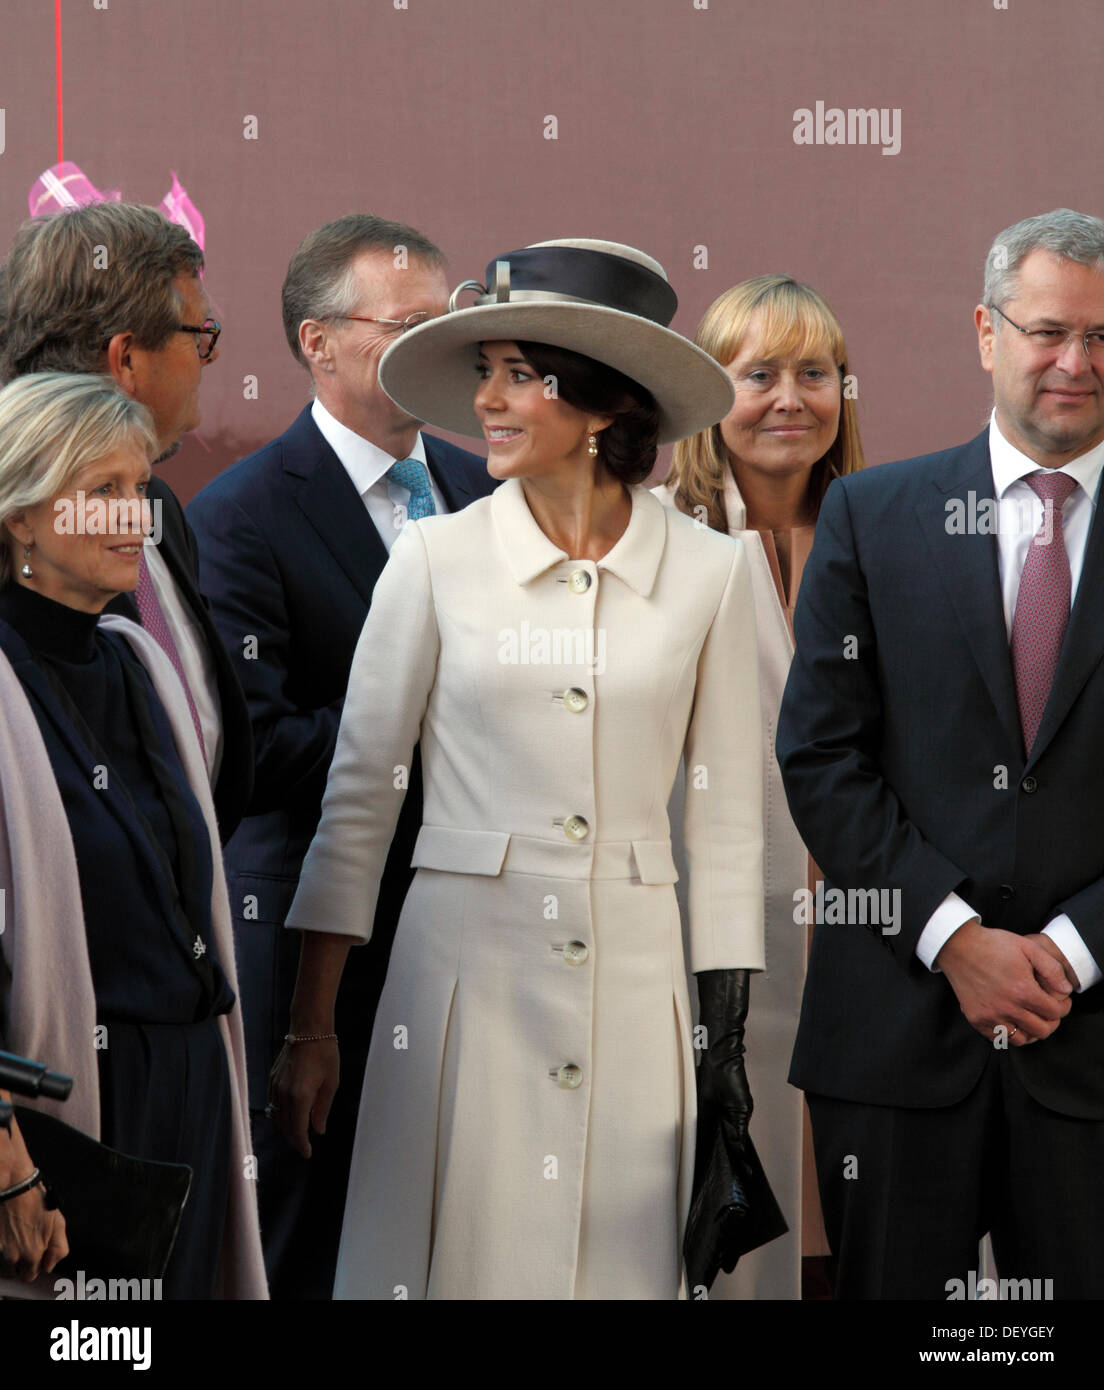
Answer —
156 624
1042 605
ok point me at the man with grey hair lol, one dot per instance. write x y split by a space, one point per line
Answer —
114 288
294 538
942 734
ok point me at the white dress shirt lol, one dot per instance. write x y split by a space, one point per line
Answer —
367 466
1019 517
195 657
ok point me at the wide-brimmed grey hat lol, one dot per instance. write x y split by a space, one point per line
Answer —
605 300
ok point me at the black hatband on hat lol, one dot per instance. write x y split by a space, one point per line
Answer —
572 273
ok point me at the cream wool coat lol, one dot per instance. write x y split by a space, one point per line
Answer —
774 1270
527 1121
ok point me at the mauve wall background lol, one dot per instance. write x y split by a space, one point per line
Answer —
675 130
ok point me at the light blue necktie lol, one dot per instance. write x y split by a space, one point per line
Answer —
414 476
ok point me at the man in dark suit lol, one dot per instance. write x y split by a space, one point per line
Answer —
941 740
294 538
114 288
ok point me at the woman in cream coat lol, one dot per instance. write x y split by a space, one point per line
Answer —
527 1121
759 475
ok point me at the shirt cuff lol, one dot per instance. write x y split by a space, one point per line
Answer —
1070 942
951 914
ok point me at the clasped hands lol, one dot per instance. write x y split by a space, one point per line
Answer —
1020 983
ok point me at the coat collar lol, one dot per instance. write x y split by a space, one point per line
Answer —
735 508
734 505
634 559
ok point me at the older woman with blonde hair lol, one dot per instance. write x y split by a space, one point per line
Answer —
760 474
116 959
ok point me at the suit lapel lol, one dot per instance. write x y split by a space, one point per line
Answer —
326 495
968 565
173 545
1083 645
454 487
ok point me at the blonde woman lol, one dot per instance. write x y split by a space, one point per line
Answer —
117 957
760 475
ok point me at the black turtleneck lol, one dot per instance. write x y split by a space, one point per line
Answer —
49 628
144 862
142 851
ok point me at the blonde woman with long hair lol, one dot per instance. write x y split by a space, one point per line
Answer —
760 474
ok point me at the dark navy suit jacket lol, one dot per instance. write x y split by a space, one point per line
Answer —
289 557
900 747
234 785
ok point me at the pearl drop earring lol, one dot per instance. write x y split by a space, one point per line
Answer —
592 446
26 571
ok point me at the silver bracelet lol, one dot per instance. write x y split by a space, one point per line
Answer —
20 1187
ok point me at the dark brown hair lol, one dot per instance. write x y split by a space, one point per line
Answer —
74 280
627 447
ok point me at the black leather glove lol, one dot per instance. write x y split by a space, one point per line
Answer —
723 1090
733 1210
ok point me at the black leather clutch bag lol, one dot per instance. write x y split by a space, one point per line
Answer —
733 1211
121 1213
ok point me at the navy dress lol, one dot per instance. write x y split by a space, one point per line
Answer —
144 863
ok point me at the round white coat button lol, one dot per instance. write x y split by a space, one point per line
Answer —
579 582
576 828
576 953
570 1076
576 700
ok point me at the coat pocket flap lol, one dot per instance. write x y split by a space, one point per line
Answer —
654 861
460 851
260 897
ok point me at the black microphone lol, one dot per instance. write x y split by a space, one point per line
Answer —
27 1078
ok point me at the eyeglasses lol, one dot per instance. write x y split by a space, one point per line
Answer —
391 325
1055 340
207 335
